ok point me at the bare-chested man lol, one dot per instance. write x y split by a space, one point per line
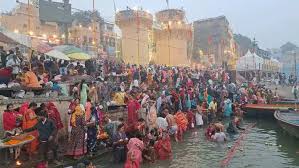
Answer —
172 126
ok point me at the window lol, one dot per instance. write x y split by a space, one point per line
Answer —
24 25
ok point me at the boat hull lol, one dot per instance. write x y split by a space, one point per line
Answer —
265 110
286 102
290 128
258 112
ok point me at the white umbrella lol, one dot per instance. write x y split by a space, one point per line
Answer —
57 54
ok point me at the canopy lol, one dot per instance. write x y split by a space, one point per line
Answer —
73 52
250 61
79 56
40 46
5 39
68 49
19 38
57 54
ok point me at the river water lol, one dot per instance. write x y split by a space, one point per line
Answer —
265 146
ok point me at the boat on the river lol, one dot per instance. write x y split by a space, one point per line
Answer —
289 121
265 110
286 101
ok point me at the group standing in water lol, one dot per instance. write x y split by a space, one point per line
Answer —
162 104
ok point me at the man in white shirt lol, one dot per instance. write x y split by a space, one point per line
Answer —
219 136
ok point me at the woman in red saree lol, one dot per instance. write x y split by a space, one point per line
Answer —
10 120
163 147
191 119
133 107
134 155
29 121
23 108
54 114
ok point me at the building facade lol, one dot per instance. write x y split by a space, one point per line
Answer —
85 36
25 20
136 26
108 39
172 38
213 38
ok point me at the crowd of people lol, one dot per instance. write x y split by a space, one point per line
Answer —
162 103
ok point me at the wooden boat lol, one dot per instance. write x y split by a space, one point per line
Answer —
265 110
289 121
290 101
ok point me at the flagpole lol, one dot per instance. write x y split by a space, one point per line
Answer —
138 40
168 28
116 47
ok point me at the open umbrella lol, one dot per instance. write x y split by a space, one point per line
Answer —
73 52
68 49
57 54
79 56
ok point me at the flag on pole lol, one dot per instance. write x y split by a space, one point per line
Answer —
114 5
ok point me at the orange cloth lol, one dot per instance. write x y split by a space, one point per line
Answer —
31 80
29 121
181 120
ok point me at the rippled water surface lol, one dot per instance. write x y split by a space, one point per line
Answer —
265 146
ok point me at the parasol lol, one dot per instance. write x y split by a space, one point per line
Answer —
68 49
73 52
57 54
79 56
40 46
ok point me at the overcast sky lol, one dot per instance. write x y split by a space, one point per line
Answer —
271 22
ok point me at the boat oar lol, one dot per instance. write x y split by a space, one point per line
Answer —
231 153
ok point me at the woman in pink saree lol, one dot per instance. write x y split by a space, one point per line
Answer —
134 155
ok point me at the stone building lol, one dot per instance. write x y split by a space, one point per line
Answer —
18 21
136 27
213 38
108 38
172 38
85 36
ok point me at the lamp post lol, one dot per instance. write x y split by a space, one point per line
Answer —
94 42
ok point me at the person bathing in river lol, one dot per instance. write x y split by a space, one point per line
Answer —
219 135
227 109
182 124
210 131
234 126
134 155
212 110
163 147
149 153
198 116
172 125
